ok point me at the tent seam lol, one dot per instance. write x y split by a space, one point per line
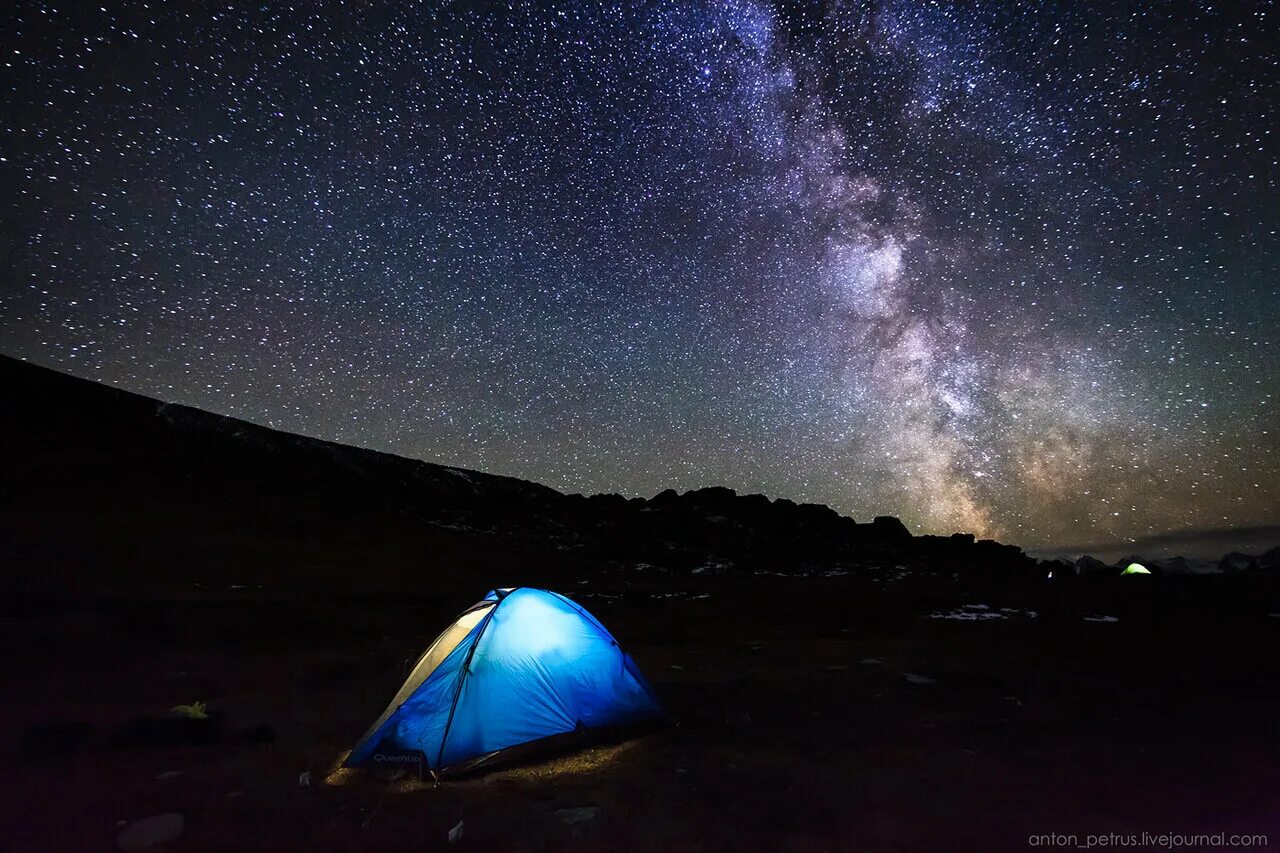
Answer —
591 619
390 711
466 670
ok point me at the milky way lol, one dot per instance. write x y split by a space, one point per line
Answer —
1001 267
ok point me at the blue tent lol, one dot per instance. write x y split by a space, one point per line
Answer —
522 665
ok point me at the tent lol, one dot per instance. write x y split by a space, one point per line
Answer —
520 667
1135 569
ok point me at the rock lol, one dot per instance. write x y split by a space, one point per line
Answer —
608 502
1089 565
56 738
1237 562
258 734
304 779
578 815
666 497
889 527
711 496
150 831
171 775
817 515
455 834
167 731
1171 566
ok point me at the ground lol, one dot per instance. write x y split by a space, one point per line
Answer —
811 714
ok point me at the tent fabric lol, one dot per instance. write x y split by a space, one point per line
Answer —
1135 569
522 665
431 659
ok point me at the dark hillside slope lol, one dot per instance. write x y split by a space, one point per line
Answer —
105 487
61 431
108 488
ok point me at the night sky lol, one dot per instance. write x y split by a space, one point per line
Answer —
1001 267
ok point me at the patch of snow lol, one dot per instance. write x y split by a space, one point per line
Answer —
463 528
1107 619
982 613
916 678
151 831
968 616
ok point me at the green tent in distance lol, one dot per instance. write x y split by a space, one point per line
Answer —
1135 569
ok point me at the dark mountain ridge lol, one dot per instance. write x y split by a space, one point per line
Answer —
108 466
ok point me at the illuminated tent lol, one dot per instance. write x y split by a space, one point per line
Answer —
523 666
1135 569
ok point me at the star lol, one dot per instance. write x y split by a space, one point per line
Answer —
984 266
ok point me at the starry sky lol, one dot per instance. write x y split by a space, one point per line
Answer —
1009 267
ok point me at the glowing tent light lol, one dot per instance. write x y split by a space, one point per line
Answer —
520 666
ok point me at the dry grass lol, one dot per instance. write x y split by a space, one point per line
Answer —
789 738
